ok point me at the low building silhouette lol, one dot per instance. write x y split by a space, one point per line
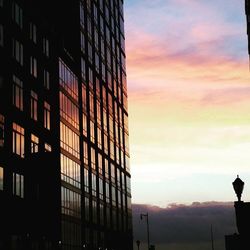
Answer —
240 240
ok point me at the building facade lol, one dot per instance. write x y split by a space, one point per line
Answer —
64 152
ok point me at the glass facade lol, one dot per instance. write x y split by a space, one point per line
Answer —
68 102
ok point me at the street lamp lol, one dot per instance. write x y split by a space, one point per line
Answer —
238 186
138 244
146 215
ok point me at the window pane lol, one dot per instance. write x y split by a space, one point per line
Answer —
1 178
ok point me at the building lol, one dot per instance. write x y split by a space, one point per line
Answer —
247 8
240 240
64 156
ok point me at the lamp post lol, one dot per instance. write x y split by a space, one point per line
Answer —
138 244
146 215
238 186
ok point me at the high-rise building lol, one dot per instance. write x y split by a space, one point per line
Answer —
64 154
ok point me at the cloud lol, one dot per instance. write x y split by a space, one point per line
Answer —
226 96
179 225
192 42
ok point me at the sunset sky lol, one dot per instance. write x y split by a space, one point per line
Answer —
189 99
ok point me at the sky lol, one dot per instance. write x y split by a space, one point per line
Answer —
189 100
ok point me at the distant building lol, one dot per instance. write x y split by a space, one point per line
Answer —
241 240
64 156
247 8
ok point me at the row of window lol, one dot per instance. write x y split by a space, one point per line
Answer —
72 236
17 16
118 58
17 183
18 55
18 141
99 210
111 19
18 102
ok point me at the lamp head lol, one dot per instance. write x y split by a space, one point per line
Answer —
238 186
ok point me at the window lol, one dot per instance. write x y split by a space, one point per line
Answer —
82 15
83 69
100 164
98 111
46 79
69 140
107 190
33 35
90 52
83 47
128 184
106 163
93 178
70 202
92 131
1 35
1 130
47 147
70 171
18 185
17 93
17 15
86 180
18 140
85 153
113 173
93 165
46 47
94 216
68 80
91 79
99 137
84 124
34 143
101 188
46 115
86 210
17 51
101 209
33 105
1 178
105 143
33 66
84 98
113 196
69 111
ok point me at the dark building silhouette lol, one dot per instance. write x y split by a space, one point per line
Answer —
240 240
64 156
247 8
